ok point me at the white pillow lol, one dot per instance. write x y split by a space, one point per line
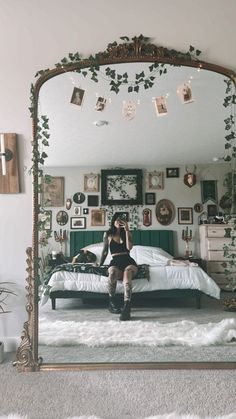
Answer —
96 248
150 255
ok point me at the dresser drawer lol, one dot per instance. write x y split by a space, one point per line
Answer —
217 231
216 267
217 255
217 243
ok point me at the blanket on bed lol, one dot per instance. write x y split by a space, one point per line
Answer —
143 270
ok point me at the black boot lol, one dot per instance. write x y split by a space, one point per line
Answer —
113 308
125 313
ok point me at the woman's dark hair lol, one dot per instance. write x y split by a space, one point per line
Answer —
112 230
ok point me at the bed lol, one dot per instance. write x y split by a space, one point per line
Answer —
153 249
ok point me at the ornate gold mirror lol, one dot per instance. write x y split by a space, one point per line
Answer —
134 106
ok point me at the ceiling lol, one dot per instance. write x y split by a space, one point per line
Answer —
190 133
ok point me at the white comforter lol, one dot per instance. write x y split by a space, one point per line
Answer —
161 278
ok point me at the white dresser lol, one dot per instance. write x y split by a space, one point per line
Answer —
212 239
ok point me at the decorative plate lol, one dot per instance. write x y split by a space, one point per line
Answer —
198 207
165 212
62 218
79 197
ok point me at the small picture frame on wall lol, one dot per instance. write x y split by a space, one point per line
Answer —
150 198
85 211
77 223
185 215
211 210
77 210
91 182
172 172
45 220
98 217
155 180
93 200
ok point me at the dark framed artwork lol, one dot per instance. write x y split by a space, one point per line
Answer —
212 210
62 218
150 198
209 190
185 215
85 211
121 187
93 200
165 212
77 223
79 197
172 172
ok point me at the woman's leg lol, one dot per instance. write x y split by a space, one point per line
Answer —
114 274
129 274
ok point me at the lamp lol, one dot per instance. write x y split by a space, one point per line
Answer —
3 155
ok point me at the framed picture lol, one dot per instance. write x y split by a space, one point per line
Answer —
98 217
211 210
93 200
165 212
62 218
77 223
45 220
185 215
155 180
172 172
86 211
91 182
77 210
77 96
79 197
150 198
121 187
53 191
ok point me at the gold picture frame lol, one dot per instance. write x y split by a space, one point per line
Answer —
91 182
53 191
98 217
155 180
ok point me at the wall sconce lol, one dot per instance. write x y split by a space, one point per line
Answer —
9 176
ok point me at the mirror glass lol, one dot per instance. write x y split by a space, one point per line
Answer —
173 128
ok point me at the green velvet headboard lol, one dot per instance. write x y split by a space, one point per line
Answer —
155 238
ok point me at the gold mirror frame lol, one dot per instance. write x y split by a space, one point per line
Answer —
137 50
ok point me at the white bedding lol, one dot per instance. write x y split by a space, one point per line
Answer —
161 278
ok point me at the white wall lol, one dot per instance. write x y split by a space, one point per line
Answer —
36 34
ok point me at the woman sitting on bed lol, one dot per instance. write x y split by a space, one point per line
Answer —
122 266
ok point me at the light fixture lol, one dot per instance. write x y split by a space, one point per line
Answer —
3 155
100 123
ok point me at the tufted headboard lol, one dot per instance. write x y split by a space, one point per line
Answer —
155 238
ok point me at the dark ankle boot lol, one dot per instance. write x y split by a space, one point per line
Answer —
113 307
125 313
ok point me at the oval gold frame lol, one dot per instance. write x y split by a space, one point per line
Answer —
139 50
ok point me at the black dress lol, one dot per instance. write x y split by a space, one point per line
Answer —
120 261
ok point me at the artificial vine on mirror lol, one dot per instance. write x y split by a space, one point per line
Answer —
129 47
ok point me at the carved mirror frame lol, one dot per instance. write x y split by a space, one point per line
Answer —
138 49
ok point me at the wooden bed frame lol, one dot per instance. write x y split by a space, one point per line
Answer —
156 238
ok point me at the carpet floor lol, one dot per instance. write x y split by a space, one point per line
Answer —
161 311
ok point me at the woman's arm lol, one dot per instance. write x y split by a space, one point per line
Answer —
105 249
128 236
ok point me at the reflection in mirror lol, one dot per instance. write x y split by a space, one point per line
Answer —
179 122
174 128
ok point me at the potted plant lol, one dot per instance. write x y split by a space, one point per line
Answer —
4 294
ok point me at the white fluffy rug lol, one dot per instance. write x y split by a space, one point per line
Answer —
136 333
